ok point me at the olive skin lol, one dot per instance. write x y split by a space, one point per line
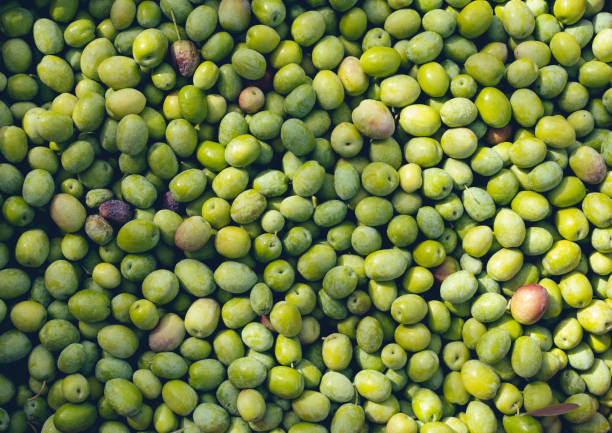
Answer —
224 216
529 303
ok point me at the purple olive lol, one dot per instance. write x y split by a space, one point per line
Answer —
116 211
170 203
265 82
185 57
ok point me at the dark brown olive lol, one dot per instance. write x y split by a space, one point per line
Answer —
170 203
185 57
498 135
116 211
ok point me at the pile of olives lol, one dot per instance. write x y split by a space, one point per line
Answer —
305 216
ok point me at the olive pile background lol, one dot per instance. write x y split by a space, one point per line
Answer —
305 216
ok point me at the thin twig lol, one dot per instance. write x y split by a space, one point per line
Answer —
42 388
467 189
178 35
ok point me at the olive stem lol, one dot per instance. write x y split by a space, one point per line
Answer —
471 194
42 388
178 35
